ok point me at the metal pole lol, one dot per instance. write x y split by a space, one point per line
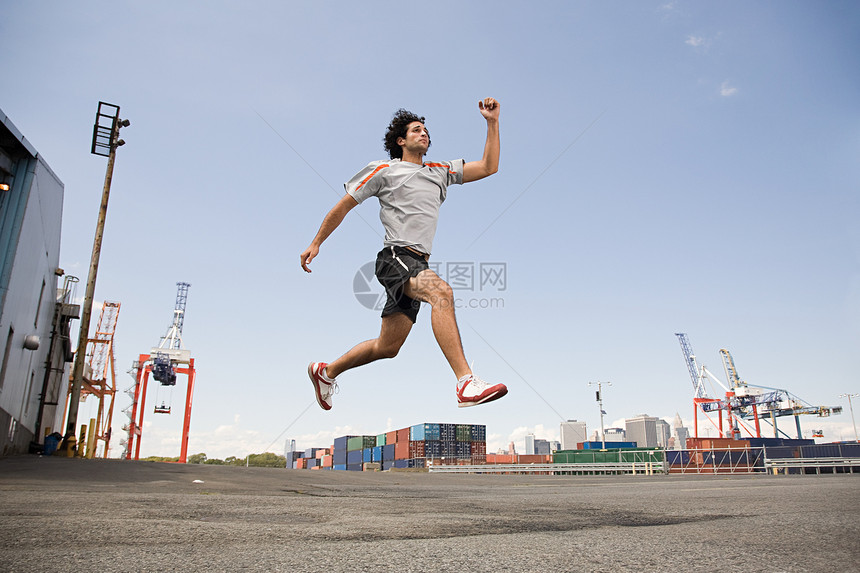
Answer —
87 307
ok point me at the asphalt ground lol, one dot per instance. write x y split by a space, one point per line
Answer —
61 514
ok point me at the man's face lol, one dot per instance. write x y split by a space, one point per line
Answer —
417 138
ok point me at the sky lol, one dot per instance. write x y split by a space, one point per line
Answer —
666 167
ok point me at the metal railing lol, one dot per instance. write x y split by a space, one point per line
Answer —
750 460
608 468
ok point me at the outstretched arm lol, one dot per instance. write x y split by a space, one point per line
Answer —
331 222
489 163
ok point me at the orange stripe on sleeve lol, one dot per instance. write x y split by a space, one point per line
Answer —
369 177
440 165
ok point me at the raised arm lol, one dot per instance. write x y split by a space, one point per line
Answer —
331 222
489 163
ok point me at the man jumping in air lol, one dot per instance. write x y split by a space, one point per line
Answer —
410 192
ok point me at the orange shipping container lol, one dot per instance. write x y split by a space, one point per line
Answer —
401 450
390 437
326 461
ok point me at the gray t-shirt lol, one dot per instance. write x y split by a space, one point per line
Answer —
409 197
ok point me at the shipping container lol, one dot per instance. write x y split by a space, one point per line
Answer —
341 442
423 432
402 435
390 438
387 464
433 449
464 432
339 457
416 449
448 432
367 455
479 433
354 457
463 450
401 450
609 445
376 456
353 467
479 448
339 467
326 461
388 452
380 440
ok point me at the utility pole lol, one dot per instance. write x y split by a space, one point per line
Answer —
599 395
105 141
850 407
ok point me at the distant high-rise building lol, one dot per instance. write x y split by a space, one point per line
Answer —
643 430
530 444
572 433
681 433
542 447
664 432
512 449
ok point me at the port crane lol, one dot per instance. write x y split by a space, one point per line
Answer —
744 401
164 362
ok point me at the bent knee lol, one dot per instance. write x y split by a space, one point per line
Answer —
388 350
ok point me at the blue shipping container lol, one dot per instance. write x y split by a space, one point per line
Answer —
340 443
339 467
388 452
433 449
354 457
339 457
448 432
367 455
479 433
609 445
376 456
422 432
354 467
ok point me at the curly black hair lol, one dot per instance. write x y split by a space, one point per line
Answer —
396 129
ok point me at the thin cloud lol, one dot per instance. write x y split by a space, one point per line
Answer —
695 41
727 90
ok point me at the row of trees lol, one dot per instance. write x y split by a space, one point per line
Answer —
267 460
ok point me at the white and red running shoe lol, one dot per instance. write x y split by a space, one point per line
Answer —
324 387
472 391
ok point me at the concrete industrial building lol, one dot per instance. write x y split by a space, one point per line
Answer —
647 431
34 314
572 433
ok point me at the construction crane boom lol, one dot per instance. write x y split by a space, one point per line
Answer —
692 366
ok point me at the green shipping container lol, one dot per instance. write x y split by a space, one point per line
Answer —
380 440
464 432
360 443
637 455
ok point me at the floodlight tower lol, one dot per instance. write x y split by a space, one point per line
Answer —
105 143
599 395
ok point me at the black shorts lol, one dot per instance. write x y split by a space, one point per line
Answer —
394 267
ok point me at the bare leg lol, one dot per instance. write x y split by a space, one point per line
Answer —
428 287
395 329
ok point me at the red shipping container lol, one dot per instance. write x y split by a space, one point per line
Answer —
401 450
402 436
416 449
479 448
